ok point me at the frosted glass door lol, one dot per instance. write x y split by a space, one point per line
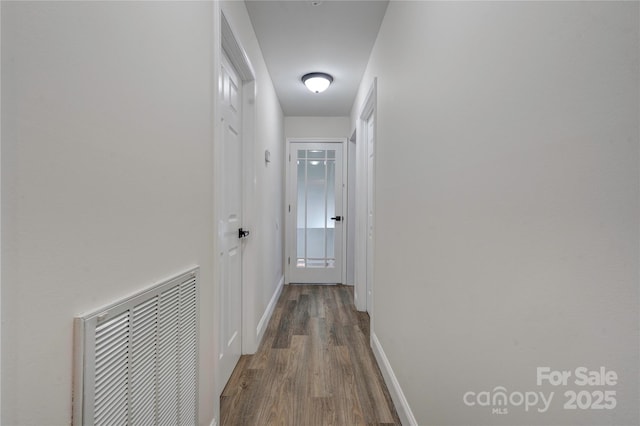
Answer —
317 174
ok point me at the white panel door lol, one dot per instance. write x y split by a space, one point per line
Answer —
231 220
316 213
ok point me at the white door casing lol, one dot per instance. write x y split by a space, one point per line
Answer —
364 292
231 217
350 236
370 138
316 208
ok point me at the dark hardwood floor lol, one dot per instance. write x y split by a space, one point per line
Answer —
314 367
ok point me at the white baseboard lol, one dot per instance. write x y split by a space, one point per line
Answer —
262 324
400 401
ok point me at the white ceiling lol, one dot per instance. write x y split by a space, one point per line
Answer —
298 37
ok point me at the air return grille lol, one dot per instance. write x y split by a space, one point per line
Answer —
137 360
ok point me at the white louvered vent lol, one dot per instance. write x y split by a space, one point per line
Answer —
136 361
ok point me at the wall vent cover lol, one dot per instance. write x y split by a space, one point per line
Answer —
136 361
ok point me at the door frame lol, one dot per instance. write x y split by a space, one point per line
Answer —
228 43
364 281
290 198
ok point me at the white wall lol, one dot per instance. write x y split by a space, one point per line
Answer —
317 127
107 178
265 247
106 138
507 202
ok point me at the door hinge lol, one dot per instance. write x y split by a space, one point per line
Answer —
289 157
289 261
289 208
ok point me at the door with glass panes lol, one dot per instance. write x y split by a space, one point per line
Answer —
315 217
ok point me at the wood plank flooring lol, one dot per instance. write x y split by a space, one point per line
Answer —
314 367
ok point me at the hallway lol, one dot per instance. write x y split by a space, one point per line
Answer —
492 204
314 366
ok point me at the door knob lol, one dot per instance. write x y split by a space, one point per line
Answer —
337 218
242 233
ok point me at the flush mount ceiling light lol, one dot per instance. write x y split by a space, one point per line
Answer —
317 82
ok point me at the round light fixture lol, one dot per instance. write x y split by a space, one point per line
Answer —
317 82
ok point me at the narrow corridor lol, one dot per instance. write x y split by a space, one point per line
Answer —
314 366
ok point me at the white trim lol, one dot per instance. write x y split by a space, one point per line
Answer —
390 379
360 269
214 422
269 311
345 206
250 257
369 105
0 229
234 51
351 210
217 194
216 133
